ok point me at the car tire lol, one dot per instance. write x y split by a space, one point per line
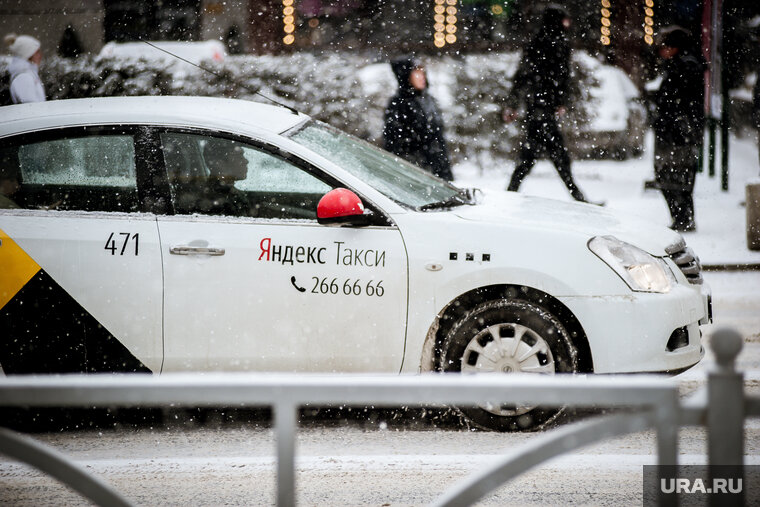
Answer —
530 339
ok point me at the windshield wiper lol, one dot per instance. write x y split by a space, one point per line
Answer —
454 200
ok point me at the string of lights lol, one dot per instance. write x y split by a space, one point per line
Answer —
445 17
606 24
445 21
649 22
288 22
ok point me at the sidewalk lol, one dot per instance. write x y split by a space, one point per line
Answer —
720 240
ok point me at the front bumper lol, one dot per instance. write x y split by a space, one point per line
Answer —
630 333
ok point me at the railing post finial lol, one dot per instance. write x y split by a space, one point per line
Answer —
725 411
726 343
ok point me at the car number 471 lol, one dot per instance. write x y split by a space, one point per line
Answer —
118 243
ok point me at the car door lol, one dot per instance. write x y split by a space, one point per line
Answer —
268 288
80 282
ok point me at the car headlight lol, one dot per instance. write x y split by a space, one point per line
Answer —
641 271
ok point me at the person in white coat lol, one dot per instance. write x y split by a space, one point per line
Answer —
24 68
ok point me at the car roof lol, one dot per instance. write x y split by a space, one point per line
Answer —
152 110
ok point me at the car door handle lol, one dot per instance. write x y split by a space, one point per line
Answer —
195 250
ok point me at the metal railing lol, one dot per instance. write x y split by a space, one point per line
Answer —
655 400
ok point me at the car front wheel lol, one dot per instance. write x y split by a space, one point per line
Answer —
509 336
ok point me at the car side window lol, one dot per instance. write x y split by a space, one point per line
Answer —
86 173
217 176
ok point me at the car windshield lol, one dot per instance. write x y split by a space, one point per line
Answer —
395 178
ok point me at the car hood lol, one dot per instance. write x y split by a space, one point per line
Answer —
587 219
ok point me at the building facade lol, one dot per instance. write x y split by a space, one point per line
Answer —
271 26
621 31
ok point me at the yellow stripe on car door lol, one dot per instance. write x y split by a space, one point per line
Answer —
16 268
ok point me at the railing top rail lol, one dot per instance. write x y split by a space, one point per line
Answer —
300 389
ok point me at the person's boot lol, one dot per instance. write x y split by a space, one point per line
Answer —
682 210
578 196
518 175
576 193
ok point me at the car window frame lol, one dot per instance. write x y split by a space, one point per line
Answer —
148 175
379 217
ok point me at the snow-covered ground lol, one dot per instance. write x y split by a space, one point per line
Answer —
343 466
375 459
721 216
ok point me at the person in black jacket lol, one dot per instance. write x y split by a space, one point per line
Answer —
542 82
679 125
413 126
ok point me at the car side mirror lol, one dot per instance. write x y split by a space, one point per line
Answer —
341 207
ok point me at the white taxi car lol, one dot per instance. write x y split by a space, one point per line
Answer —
161 234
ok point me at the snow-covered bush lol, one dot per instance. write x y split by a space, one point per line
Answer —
346 90
476 130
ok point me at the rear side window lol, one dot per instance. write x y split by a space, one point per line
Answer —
103 161
86 173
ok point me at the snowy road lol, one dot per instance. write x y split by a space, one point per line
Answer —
349 466
376 460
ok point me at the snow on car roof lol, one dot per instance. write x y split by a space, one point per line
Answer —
160 110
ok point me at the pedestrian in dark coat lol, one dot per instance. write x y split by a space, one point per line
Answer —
679 125
413 125
542 83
